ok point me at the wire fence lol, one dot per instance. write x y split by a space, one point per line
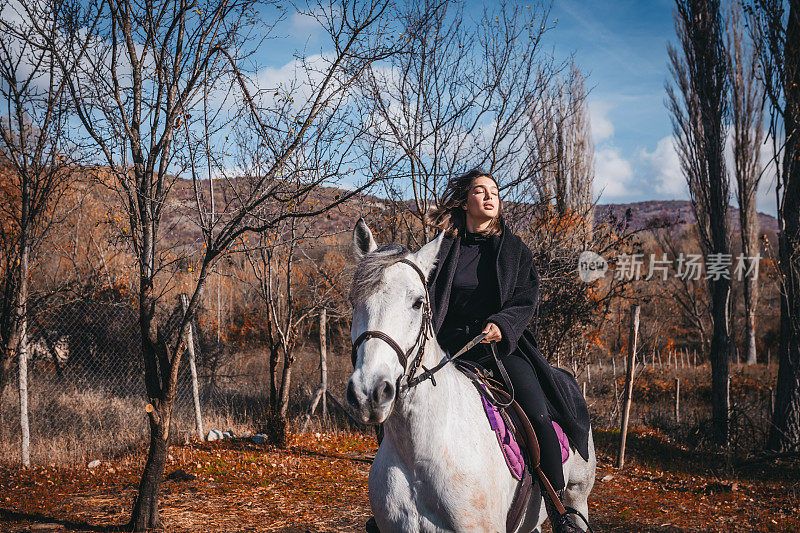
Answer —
86 394
87 399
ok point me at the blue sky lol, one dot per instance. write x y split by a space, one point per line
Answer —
621 46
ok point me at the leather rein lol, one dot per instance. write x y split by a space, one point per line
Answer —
425 329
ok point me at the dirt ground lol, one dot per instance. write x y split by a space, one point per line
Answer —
319 483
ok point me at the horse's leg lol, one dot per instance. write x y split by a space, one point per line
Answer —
580 476
390 493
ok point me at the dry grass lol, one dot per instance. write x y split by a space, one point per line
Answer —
653 403
72 426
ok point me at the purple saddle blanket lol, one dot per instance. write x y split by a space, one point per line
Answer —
508 443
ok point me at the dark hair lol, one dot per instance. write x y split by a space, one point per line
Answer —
450 215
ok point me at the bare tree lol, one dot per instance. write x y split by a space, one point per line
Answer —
777 24
747 117
138 96
36 162
690 294
274 262
457 98
698 104
564 171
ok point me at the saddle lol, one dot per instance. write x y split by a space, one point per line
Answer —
517 441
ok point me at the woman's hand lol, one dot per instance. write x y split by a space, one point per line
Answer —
493 333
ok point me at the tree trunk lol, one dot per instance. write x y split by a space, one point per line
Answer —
145 509
748 220
750 301
6 369
273 377
286 382
157 373
785 433
721 350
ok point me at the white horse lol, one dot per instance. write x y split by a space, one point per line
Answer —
439 466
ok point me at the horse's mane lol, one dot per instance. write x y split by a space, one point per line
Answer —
369 271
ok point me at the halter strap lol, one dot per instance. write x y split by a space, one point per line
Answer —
370 334
420 341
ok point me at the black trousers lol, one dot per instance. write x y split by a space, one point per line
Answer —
530 396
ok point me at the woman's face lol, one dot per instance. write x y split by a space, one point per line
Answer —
483 199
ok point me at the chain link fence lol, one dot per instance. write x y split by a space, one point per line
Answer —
86 393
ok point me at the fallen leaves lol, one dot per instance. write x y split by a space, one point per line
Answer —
319 483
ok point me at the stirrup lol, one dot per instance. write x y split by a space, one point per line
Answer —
561 523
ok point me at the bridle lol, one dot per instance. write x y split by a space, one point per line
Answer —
425 328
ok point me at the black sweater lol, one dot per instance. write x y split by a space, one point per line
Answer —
473 295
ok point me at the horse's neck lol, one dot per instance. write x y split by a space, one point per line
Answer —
430 417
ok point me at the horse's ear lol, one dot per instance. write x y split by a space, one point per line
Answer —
426 256
363 241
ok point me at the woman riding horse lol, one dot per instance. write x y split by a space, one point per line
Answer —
485 282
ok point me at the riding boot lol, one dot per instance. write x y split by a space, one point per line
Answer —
560 523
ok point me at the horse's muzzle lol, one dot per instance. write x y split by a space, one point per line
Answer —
371 402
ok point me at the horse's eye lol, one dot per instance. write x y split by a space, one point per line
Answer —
417 303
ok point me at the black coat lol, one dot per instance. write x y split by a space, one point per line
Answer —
518 291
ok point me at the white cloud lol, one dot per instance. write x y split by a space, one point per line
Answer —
765 197
602 127
304 25
613 175
663 169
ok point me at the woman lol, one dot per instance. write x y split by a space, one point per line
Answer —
485 281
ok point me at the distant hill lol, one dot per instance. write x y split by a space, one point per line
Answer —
677 212
181 230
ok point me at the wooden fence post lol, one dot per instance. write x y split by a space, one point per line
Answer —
632 337
322 391
198 416
677 400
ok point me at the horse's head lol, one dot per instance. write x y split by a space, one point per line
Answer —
388 297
